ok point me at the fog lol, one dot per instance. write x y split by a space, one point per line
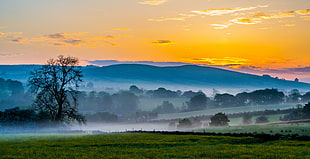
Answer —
146 107
122 127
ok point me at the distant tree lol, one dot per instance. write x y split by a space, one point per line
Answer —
266 96
10 91
197 102
165 107
190 94
219 119
306 111
90 85
125 102
163 93
246 118
184 123
135 89
225 100
262 119
306 97
102 117
17 117
294 96
296 80
55 85
243 99
105 102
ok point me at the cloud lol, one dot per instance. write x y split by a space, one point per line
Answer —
161 42
153 2
73 41
245 21
300 69
216 12
181 17
256 18
18 40
303 12
274 16
2 27
2 34
166 19
289 25
56 36
221 26
226 61
80 39
100 37
10 54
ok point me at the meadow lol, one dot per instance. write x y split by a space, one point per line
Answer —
147 145
302 129
229 110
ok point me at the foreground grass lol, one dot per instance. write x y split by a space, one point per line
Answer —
148 145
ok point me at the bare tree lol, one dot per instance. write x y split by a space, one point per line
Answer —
55 85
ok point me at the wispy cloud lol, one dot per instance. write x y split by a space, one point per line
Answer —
221 26
259 18
245 21
2 34
181 17
80 39
303 12
153 2
13 37
162 42
10 54
275 16
226 61
216 12
166 19
288 25
19 40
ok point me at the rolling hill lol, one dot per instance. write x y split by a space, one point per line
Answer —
186 75
189 75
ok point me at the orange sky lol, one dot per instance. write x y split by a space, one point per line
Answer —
257 36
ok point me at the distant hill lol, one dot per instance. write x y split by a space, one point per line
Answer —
187 75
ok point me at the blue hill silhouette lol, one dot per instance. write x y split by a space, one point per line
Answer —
189 75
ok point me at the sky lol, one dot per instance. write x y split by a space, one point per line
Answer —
251 36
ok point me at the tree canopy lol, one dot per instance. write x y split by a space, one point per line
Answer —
219 119
55 85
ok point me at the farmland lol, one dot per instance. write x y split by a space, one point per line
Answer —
148 145
285 129
230 110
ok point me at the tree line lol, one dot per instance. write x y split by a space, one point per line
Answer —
53 92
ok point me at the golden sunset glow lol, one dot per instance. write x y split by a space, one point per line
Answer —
248 36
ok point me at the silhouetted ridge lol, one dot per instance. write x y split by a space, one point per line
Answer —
188 75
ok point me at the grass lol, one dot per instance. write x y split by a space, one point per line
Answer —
302 129
148 145
239 120
230 110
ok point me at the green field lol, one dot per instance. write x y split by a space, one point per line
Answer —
302 129
229 110
148 145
